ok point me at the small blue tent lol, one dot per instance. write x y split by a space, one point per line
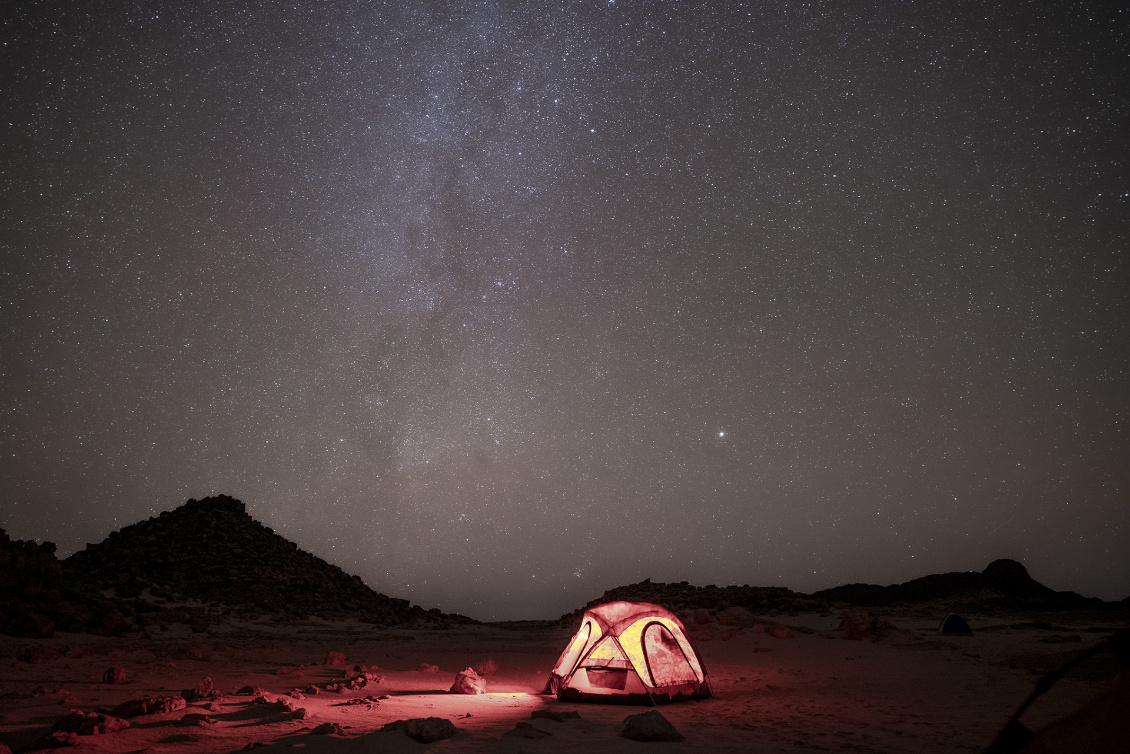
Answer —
954 625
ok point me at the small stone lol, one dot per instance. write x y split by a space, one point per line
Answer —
201 690
427 668
468 682
649 726
326 729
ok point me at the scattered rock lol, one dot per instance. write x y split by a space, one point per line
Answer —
468 682
296 694
72 653
335 660
114 676
198 719
89 724
527 730
289 670
857 623
312 689
426 668
59 739
559 716
778 631
200 691
737 616
155 705
426 730
250 691
253 745
649 726
200 654
326 729
361 701
702 616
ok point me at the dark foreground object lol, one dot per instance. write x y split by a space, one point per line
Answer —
649 726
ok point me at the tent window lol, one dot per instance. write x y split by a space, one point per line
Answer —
606 654
665 659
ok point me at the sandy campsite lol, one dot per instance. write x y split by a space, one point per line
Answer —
807 688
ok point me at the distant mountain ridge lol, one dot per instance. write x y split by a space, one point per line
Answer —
1004 584
212 551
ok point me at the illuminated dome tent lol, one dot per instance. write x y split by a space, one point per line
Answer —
629 652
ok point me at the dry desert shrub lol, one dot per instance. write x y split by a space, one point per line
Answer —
486 667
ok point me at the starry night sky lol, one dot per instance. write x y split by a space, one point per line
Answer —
502 304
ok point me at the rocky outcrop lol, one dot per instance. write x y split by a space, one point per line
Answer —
682 597
36 598
1003 583
211 551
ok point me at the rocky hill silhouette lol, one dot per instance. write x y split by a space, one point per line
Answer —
1003 585
211 551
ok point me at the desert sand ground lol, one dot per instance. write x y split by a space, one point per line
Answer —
810 692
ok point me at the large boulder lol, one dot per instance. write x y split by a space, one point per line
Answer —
469 682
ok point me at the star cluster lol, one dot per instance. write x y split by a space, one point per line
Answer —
501 304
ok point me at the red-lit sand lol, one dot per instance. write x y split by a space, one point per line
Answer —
911 691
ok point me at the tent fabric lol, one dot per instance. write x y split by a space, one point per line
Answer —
954 625
632 652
